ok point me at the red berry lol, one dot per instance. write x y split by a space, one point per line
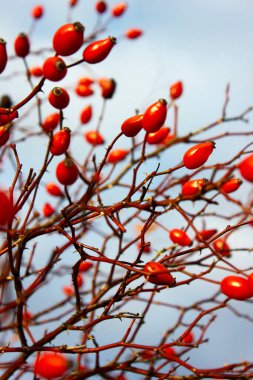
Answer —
147 248
86 114
205 234
58 98
67 172
97 51
133 33
36 71
158 274
85 266
176 90
68 39
54 189
246 168
250 281
48 210
4 135
107 86
60 142
117 155
159 136
79 281
94 138
22 45
83 90
72 3
168 352
189 338
3 55
222 247
54 69
118 9
193 187
37 11
168 138
6 208
86 81
51 365
6 119
197 155
51 122
236 287
132 126
231 185
180 237
101 6
154 116
147 354
68 290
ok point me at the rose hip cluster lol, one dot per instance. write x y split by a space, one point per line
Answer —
75 209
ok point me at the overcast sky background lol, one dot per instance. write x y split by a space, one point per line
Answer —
206 44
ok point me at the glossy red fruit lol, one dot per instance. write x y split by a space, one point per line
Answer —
97 51
168 352
37 12
250 281
68 290
58 98
83 90
147 248
60 142
168 138
133 33
54 69
118 9
51 122
154 116
79 280
4 135
236 287
132 126
246 168
48 210
147 354
108 87
73 3
180 237
94 138
176 90
86 114
189 338
5 209
51 365
68 39
54 189
117 155
85 266
198 154
101 6
67 172
206 234
159 136
22 45
6 119
193 187
231 185
158 274
86 81
222 247
36 71
3 55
